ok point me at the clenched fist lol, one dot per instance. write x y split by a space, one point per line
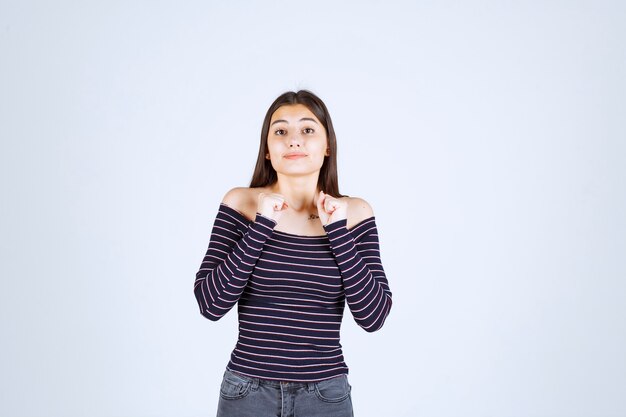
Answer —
331 209
271 205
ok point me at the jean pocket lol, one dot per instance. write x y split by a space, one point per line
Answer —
234 386
333 390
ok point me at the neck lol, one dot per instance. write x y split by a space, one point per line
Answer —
300 192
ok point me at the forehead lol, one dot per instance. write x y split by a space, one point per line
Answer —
292 113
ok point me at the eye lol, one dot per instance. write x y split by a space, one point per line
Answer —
309 130
279 132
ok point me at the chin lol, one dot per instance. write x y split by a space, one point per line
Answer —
297 173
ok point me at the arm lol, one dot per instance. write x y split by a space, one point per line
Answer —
228 263
365 284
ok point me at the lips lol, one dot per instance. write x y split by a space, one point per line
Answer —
295 155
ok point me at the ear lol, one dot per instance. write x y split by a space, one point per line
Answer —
327 152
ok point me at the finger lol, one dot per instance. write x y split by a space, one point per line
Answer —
320 201
331 205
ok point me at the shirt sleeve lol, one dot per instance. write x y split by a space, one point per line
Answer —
228 263
365 283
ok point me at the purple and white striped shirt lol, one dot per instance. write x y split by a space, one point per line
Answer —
291 292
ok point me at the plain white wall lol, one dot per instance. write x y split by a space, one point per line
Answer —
488 137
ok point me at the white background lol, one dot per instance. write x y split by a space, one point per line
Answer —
489 138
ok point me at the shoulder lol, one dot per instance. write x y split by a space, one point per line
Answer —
358 210
235 196
243 199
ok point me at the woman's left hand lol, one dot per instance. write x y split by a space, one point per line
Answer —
331 209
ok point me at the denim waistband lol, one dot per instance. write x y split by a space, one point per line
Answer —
310 386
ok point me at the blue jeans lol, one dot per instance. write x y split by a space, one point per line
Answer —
243 396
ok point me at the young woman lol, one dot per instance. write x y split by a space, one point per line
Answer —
291 251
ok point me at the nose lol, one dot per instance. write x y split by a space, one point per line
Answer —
294 141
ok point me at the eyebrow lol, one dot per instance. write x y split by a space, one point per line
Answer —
285 121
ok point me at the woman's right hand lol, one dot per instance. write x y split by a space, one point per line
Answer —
271 205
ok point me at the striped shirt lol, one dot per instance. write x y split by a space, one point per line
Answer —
291 291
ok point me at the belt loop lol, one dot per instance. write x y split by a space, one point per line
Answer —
310 386
255 384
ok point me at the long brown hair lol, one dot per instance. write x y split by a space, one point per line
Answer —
265 174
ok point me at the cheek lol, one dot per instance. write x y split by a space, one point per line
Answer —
320 142
272 148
